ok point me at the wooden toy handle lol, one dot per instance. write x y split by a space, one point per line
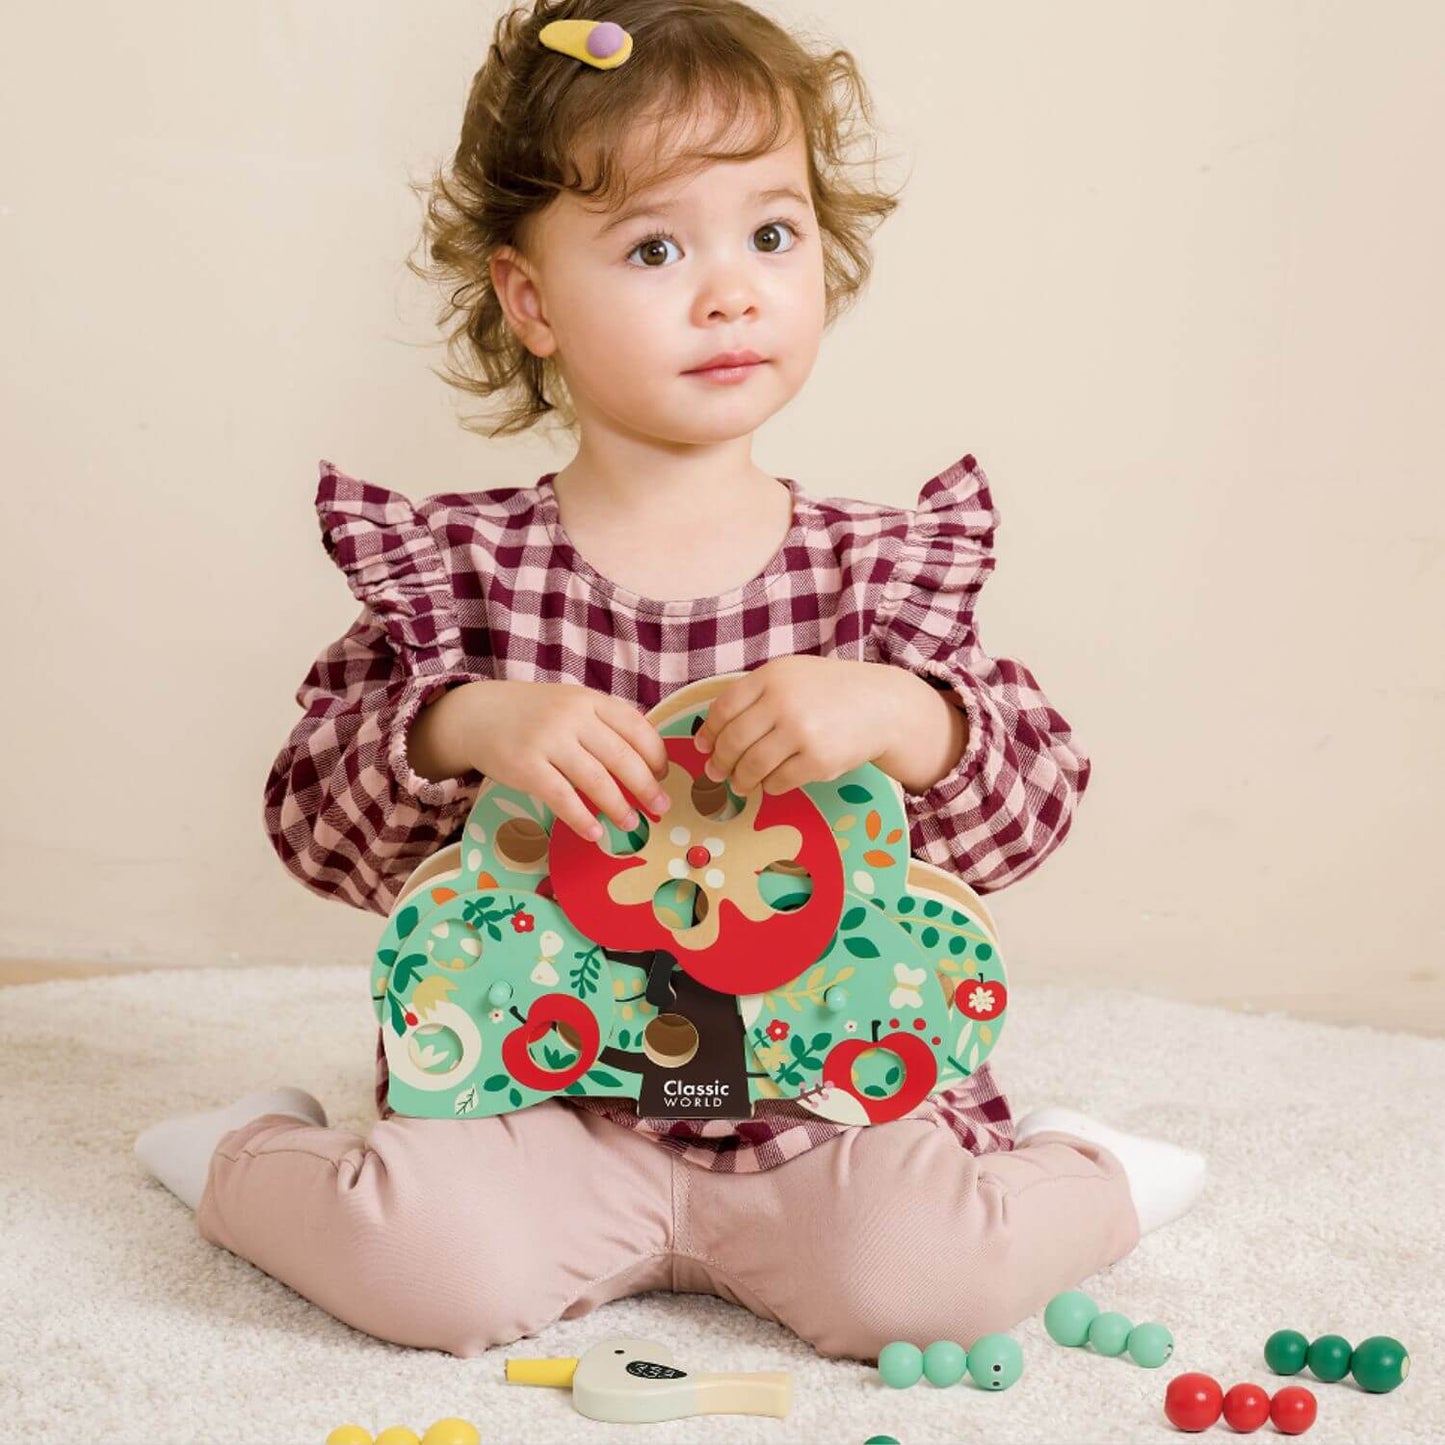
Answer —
744 1393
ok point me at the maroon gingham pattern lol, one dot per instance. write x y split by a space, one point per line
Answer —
488 584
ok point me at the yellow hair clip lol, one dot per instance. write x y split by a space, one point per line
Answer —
601 43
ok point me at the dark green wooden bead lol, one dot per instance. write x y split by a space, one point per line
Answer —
1329 1358
1379 1364
1285 1352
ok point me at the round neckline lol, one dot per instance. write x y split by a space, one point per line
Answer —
751 590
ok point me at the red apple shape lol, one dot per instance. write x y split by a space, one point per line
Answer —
920 1073
993 998
551 1008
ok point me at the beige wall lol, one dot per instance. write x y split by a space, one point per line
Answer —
1172 272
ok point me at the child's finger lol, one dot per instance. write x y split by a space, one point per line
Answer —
623 762
557 792
645 738
590 776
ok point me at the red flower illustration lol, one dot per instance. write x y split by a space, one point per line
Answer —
777 1030
522 922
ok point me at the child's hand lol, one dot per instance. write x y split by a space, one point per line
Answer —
554 739
802 719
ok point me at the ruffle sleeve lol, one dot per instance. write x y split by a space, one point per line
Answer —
392 564
926 611
1009 799
395 569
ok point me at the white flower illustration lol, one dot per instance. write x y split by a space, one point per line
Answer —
981 1000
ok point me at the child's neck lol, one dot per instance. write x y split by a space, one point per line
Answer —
687 548
708 488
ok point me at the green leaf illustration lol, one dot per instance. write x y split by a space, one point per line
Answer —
854 793
861 947
497 1081
584 976
405 971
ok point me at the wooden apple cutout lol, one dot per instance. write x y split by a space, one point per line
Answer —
741 945
546 1010
920 1073
980 999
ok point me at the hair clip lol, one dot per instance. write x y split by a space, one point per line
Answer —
602 44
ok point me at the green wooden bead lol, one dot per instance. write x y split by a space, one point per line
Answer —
1285 1352
881 1440
1379 1364
835 999
1067 1317
995 1361
900 1364
499 993
1150 1344
1109 1333
1329 1358
944 1363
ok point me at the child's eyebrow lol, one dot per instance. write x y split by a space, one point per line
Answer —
776 193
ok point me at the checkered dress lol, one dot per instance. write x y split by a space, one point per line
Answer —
488 585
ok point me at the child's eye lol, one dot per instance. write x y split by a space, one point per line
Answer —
661 238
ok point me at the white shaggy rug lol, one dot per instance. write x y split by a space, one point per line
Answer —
1323 1212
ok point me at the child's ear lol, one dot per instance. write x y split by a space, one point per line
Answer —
521 300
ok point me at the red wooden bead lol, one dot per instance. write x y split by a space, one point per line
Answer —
698 856
1293 1410
1192 1402
1246 1408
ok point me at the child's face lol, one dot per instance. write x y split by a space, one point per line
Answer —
739 271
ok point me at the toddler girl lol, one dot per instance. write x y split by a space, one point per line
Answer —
521 634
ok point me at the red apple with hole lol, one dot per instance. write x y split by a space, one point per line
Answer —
920 1073
546 1010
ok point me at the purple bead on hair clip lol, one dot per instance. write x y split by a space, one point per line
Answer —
602 44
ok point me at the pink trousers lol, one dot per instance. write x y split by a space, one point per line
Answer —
461 1235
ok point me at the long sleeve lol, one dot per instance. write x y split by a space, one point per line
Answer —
1010 799
344 810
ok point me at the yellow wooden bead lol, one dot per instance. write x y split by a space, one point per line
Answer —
349 1435
397 1435
452 1432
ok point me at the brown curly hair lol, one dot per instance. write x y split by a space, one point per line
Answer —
532 111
